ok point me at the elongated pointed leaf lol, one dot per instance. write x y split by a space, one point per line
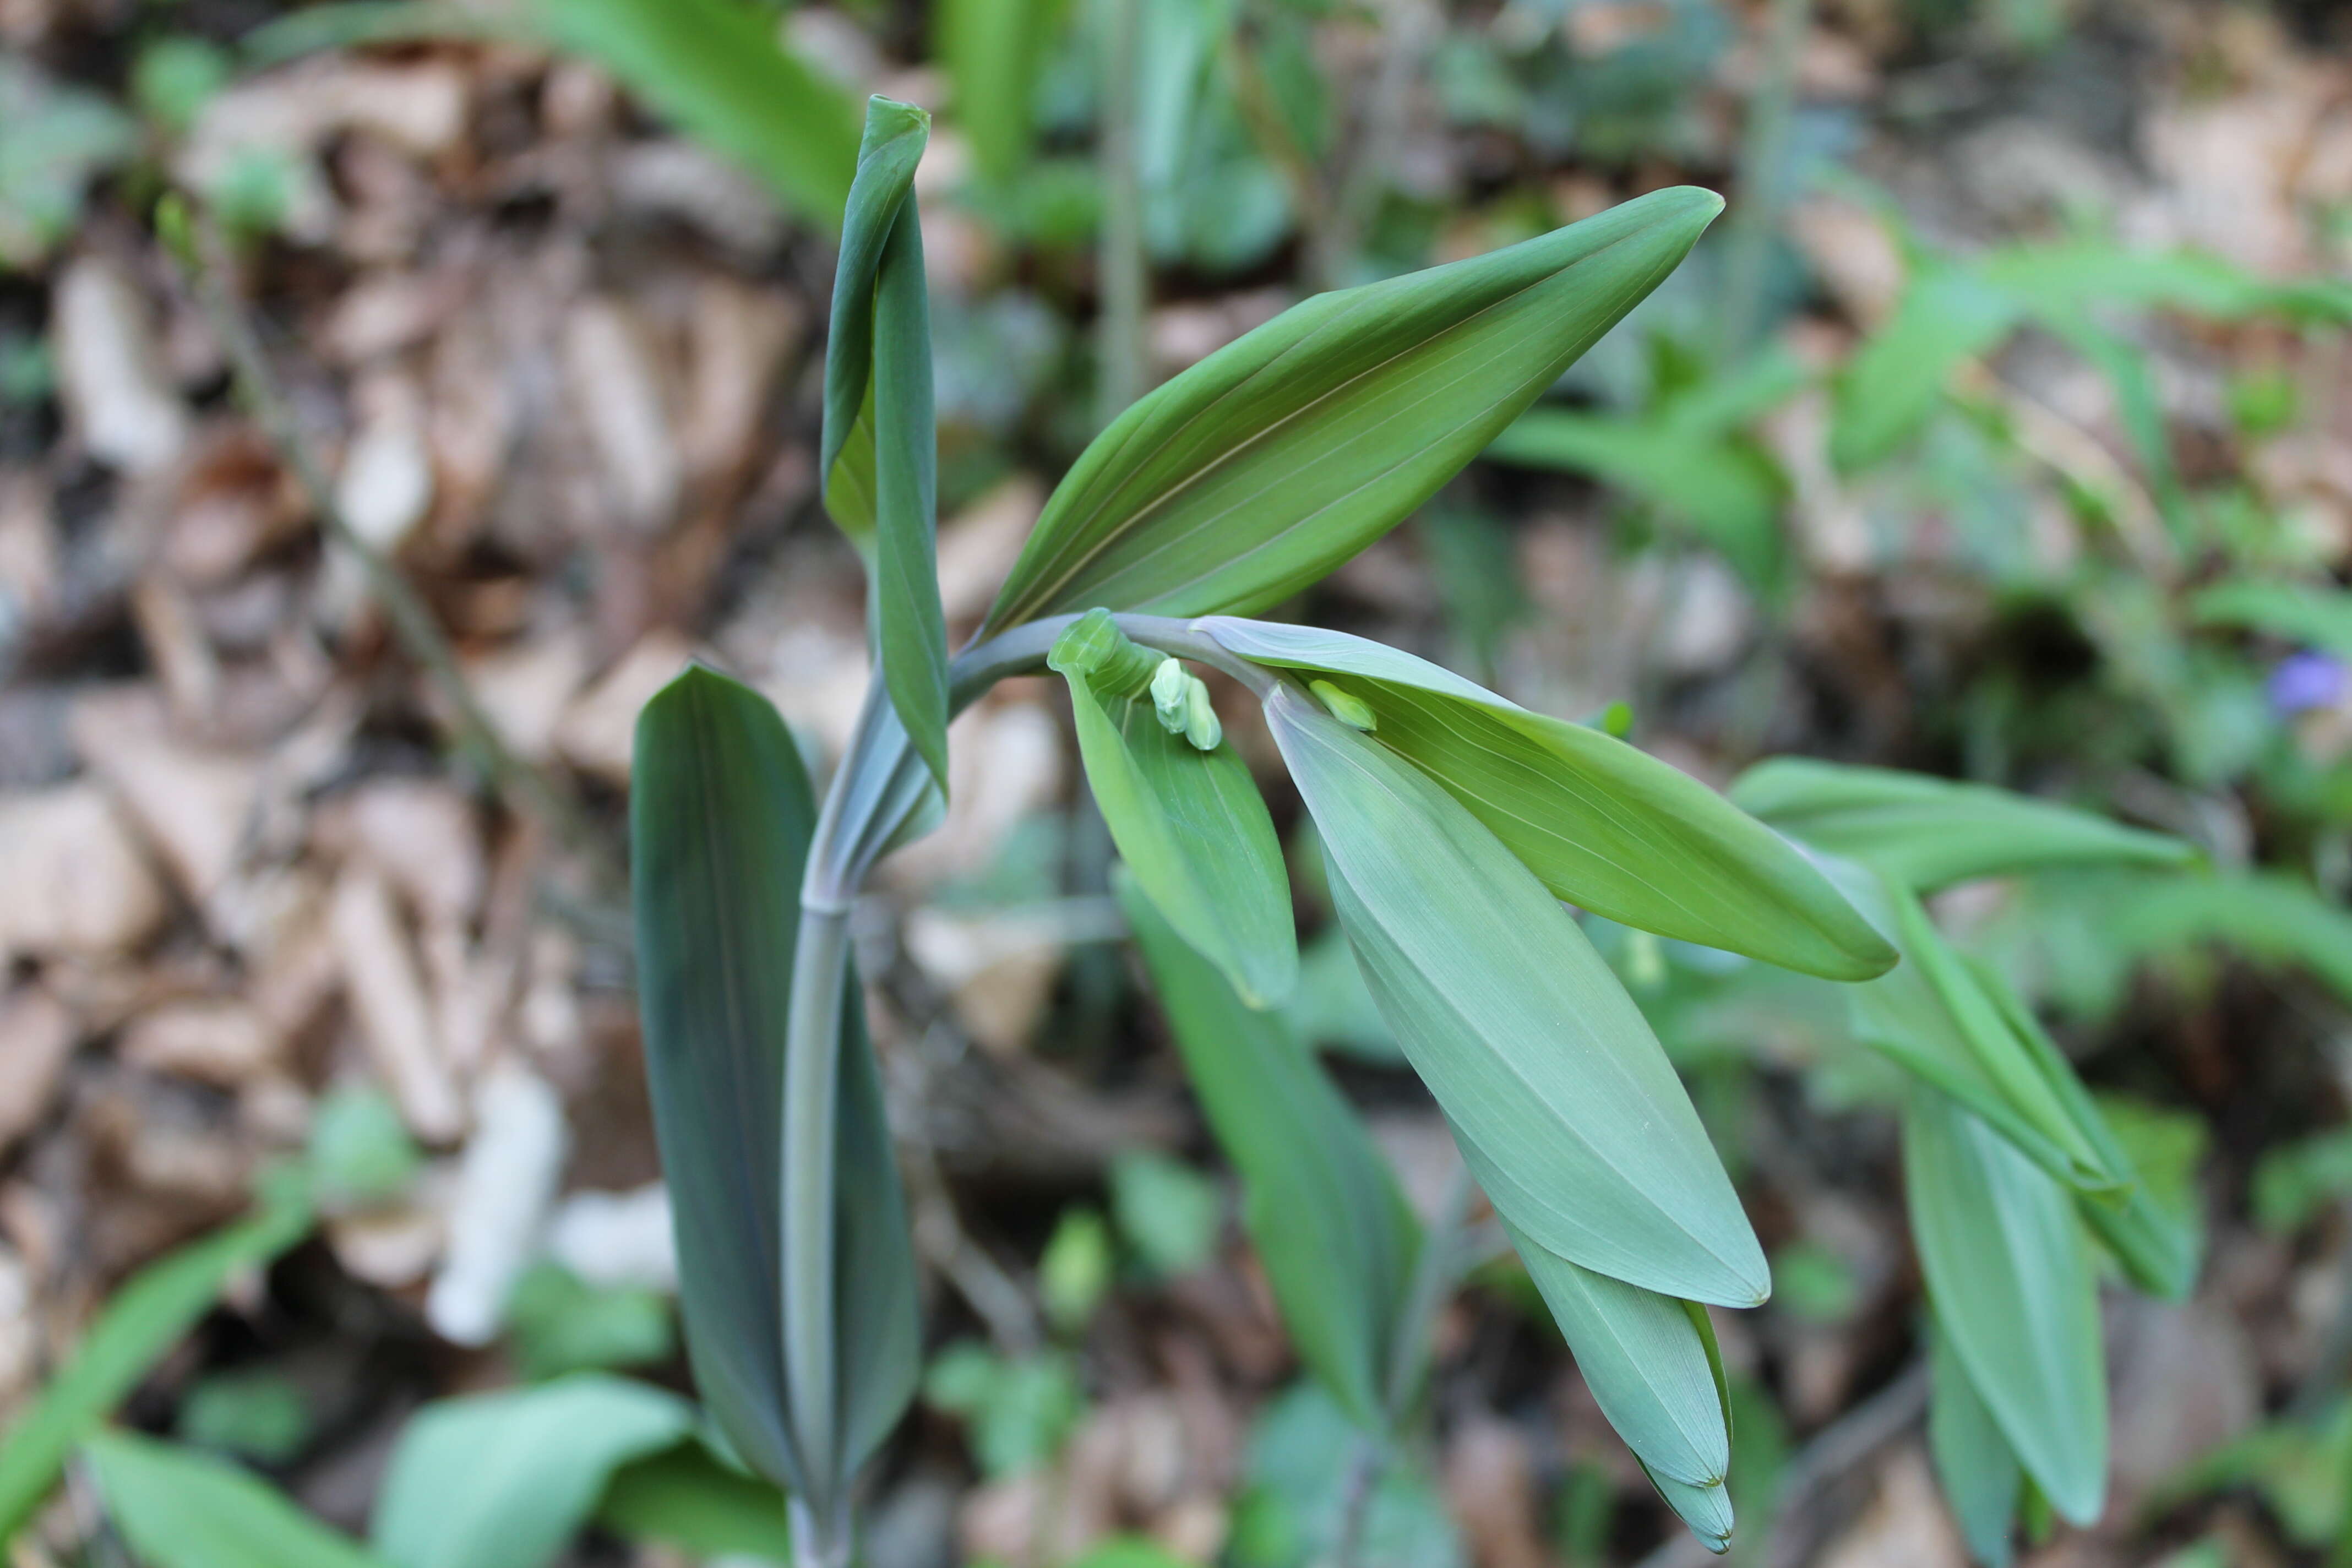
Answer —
2010 1276
1599 822
1929 833
507 1479
1194 832
2159 1245
1331 1229
1563 1102
719 816
1980 1477
1932 1014
1707 1509
880 444
1283 454
182 1508
147 1316
1646 1362
719 68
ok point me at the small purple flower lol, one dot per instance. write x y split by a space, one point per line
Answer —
2303 682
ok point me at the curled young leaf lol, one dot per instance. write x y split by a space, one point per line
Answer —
1275 458
720 814
880 450
1564 1105
1333 1231
1602 825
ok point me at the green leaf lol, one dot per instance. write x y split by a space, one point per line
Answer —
1929 833
181 1509
880 441
719 68
2267 916
719 817
1707 1509
1194 830
2073 275
1565 1107
2293 612
507 1479
1646 1362
1275 458
1979 1473
1331 1229
993 51
2294 1182
558 1322
1893 384
145 1319
2010 1277
1599 824
684 1498
1169 1212
1724 487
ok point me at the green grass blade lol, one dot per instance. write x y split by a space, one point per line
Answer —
2293 612
993 50
1929 833
1893 384
2010 1276
1563 1102
506 1479
182 1508
1331 1229
1600 823
721 812
146 1318
1275 458
718 68
881 446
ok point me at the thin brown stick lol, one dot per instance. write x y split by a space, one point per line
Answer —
206 265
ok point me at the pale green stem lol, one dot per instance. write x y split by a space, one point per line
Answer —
1126 284
813 1053
1763 177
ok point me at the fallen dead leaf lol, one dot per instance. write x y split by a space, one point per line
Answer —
119 403
72 879
37 1035
381 976
222 1043
614 382
598 731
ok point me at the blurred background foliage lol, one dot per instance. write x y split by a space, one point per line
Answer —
1999 432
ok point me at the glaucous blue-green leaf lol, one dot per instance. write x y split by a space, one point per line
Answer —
881 446
1333 1232
147 1316
1192 827
720 70
1978 1472
1707 1509
2160 1241
1602 825
506 1479
2010 1274
179 1508
1565 1107
1646 1361
1275 458
1929 833
1931 1014
719 817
